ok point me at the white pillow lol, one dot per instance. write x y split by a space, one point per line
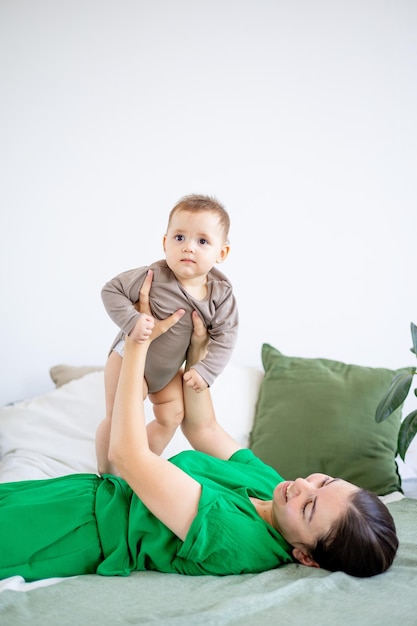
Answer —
53 434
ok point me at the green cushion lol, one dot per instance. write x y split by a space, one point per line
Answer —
318 415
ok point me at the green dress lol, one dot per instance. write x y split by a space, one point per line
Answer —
84 524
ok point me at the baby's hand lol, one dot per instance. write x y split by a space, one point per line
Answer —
143 328
193 380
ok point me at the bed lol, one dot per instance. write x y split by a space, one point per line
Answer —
320 410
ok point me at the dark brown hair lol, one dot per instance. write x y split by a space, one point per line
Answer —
363 542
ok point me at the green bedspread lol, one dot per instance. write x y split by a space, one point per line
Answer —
290 595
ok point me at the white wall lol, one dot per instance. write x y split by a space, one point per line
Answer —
299 115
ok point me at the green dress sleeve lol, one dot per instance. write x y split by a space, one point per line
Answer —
227 535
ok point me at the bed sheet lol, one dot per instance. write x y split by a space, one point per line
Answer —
293 594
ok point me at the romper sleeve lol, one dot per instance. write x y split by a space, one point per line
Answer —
119 295
223 336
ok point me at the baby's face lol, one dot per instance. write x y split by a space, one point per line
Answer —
194 243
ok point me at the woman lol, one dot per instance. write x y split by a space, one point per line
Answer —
217 510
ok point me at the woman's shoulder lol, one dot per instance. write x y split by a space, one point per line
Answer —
247 457
243 469
229 537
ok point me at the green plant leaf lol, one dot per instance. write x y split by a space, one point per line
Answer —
395 395
414 337
408 430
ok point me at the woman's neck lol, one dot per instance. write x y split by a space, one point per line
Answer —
264 509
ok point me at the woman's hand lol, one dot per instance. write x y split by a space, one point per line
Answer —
199 341
196 352
159 327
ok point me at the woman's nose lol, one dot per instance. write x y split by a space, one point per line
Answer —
303 485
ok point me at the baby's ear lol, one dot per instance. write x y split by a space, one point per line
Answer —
224 252
304 558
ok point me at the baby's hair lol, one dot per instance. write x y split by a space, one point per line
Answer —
195 203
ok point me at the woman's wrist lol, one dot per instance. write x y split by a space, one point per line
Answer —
132 345
195 353
198 347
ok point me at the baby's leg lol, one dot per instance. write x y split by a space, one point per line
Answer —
111 377
168 408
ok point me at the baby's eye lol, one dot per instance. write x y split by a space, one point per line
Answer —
202 242
179 237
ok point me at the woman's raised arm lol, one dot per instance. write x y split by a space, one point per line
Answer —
200 425
167 491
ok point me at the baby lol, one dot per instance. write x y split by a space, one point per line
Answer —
196 240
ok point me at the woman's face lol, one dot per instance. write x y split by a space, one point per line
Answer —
305 509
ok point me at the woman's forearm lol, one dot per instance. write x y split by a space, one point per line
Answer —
200 425
128 429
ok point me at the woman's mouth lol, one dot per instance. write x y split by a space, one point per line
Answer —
286 490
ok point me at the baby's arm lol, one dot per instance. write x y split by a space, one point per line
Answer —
223 335
143 328
119 296
193 380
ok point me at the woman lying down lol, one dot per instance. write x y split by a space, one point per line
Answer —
215 510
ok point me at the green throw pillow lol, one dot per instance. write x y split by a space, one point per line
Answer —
318 415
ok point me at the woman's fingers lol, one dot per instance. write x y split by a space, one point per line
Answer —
144 306
161 326
200 334
199 341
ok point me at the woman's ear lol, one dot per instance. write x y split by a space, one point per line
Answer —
304 558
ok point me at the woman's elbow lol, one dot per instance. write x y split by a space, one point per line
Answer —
115 455
125 455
